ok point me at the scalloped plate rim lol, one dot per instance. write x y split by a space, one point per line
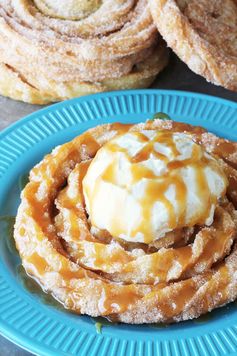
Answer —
57 105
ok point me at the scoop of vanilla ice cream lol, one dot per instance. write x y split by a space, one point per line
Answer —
141 185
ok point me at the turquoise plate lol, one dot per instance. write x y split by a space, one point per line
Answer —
29 319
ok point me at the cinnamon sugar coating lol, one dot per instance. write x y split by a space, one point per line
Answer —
203 34
50 52
188 274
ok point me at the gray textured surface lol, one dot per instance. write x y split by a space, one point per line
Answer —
175 76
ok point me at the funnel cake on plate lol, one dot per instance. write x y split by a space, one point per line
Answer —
136 223
51 51
203 34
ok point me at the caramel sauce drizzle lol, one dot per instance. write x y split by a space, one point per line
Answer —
92 145
38 262
75 206
42 266
155 192
103 257
121 128
119 302
156 188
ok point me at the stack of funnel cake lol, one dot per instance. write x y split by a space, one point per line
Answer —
51 51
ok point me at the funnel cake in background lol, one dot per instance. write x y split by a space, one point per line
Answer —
203 34
165 263
51 51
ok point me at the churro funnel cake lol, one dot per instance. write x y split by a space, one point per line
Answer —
203 34
54 50
136 223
